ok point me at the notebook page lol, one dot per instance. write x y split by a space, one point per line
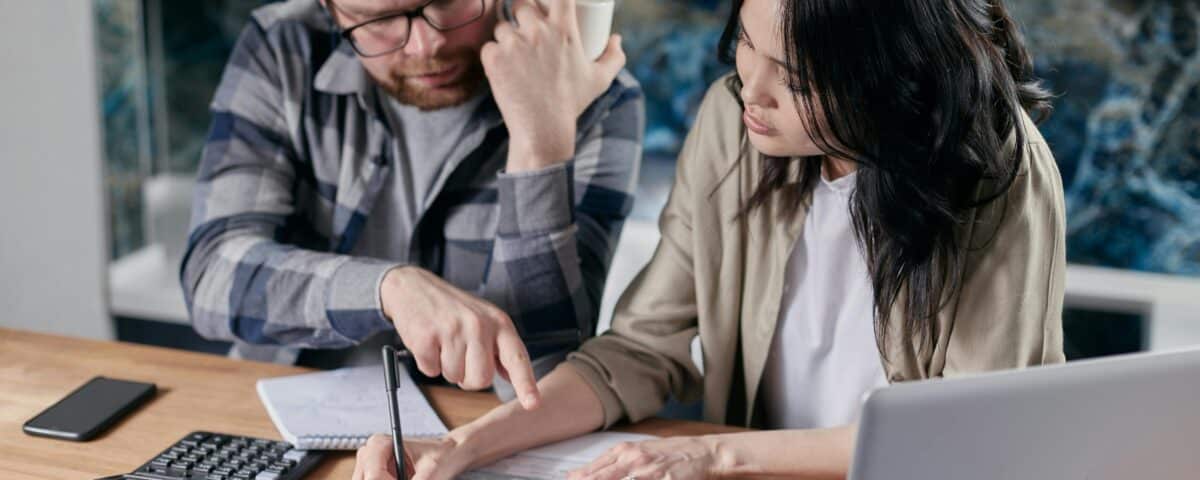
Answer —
348 402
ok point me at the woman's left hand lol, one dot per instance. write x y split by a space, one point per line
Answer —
667 458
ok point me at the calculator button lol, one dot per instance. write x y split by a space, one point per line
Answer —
159 469
267 476
193 439
215 476
295 455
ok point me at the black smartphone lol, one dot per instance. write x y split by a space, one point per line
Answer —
90 409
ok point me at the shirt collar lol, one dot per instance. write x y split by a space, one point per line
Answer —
342 73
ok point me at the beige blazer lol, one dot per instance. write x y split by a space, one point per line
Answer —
722 279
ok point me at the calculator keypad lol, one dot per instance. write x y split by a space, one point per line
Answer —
209 456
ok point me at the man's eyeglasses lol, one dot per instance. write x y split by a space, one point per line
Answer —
386 34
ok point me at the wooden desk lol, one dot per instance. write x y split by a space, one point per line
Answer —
196 392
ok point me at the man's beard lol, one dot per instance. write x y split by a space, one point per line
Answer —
466 86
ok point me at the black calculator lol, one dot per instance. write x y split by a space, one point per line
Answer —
215 456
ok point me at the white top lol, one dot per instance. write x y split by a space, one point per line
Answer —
823 357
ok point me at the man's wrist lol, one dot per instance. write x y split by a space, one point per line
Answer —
529 155
391 282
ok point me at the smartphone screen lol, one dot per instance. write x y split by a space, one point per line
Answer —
91 408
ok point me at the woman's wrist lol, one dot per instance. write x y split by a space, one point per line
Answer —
476 443
466 447
725 455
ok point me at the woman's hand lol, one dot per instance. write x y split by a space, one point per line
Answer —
433 459
542 81
667 458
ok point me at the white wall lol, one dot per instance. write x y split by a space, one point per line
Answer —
53 251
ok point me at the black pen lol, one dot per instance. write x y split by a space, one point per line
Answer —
571 337
389 380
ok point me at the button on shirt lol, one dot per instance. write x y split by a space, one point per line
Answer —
823 357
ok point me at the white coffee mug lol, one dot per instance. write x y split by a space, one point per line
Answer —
595 19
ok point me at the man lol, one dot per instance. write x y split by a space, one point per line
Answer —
395 167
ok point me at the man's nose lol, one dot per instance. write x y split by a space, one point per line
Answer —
423 39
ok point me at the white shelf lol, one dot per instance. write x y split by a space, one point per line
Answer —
1170 303
144 285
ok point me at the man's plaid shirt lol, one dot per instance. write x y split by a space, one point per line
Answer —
299 150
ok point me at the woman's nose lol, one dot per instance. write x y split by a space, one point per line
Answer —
756 85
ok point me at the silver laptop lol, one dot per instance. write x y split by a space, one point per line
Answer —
1117 418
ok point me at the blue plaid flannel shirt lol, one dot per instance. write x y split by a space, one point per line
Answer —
299 150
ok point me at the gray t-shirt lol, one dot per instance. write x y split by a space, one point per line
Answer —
425 141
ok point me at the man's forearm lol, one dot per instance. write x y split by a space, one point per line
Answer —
337 310
569 408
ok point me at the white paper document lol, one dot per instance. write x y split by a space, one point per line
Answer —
553 461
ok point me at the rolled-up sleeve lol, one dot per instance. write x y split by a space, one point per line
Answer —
646 357
558 226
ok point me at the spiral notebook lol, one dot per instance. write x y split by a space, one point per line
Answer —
340 409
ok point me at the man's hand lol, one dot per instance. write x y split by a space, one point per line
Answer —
454 334
436 459
542 81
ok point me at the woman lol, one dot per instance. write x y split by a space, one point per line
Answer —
866 201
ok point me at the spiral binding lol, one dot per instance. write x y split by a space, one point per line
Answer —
334 442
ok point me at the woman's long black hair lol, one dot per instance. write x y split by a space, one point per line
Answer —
922 95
